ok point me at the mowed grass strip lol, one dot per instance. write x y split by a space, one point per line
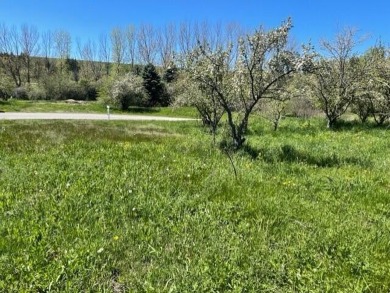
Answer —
154 207
14 105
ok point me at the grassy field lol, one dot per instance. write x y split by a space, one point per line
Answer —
154 207
90 107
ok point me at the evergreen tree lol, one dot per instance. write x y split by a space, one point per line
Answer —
72 66
170 74
154 87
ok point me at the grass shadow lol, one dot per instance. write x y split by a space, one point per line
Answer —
355 125
250 151
143 110
288 153
3 103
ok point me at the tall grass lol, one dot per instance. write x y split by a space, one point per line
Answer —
154 207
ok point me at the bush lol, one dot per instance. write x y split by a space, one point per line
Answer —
20 93
301 107
124 92
36 93
363 107
89 90
4 95
57 88
61 88
73 91
6 87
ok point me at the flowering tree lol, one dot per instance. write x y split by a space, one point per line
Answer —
239 75
376 94
336 81
206 103
274 108
125 92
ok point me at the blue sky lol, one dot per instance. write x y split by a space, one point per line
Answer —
312 19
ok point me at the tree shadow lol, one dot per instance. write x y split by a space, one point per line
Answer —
143 110
355 125
3 103
290 154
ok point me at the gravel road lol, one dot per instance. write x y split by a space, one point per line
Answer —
82 116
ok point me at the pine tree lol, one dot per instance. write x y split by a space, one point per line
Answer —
170 74
154 87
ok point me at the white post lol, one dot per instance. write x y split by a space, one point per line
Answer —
108 112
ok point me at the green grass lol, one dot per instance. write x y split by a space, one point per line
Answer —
50 106
90 107
153 207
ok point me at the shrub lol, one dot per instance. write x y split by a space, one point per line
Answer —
36 93
89 90
4 95
363 107
301 107
104 86
62 88
124 92
56 87
20 93
6 88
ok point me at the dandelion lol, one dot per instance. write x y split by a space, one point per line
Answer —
115 237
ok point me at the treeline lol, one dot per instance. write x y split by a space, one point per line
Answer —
54 65
216 68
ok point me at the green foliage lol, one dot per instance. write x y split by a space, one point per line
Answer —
362 106
155 89
35 92
170 74
135 207
6 87
72 66
20 93
104 89
90 89
58 87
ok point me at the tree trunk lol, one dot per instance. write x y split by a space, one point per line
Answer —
331 122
